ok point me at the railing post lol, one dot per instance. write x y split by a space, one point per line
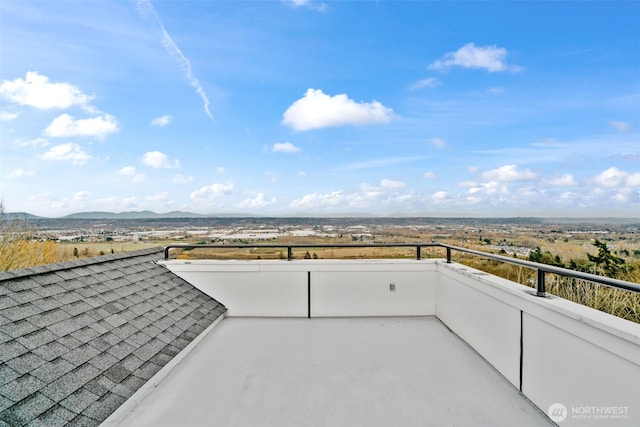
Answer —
448 255
289 253
418 254
540 291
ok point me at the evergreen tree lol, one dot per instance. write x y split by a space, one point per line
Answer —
607 261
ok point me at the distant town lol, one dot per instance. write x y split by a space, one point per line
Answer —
517 236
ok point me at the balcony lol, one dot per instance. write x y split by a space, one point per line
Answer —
391 342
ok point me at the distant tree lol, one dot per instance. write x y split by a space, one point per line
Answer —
536 255
545 257
307 255
75 252
315 255
607 261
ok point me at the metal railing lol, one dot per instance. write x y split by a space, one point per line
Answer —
540 268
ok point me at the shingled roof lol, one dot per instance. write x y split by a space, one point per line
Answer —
79 338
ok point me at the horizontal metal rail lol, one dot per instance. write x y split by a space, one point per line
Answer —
539 267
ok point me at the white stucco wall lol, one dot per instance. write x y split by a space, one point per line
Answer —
573 357
337 288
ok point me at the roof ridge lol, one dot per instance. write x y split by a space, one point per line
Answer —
83 262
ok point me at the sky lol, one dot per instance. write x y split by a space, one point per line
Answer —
318 108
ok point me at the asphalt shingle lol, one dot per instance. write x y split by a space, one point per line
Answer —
52 370
78 338
28 409
57 416
21 387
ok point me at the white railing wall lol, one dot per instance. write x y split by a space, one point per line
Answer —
318 288
555 351
552 350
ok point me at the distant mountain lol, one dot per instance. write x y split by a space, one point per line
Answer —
12 216
133 215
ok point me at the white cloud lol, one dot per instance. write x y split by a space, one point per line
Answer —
257 202
429 175
387 184
318 110
491 58
17 173
127 171
36 91
568 196
147 11
220 170
387 194
438 142
633 180
622 127
623 195
69 151
6 116
284 147
313 5
130 171
162 121
158 197
614 177
563 181
212 192
490 188
429 83
36 142
181 179
378 163
115 204
81 196
315 200
440 196
508 173
64 125
156 159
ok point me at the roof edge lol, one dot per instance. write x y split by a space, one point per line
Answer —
83 262
119 415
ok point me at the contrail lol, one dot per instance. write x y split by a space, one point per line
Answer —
147 11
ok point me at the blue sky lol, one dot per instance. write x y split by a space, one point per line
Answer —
300 107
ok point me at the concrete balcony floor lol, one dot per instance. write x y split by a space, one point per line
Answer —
407 371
